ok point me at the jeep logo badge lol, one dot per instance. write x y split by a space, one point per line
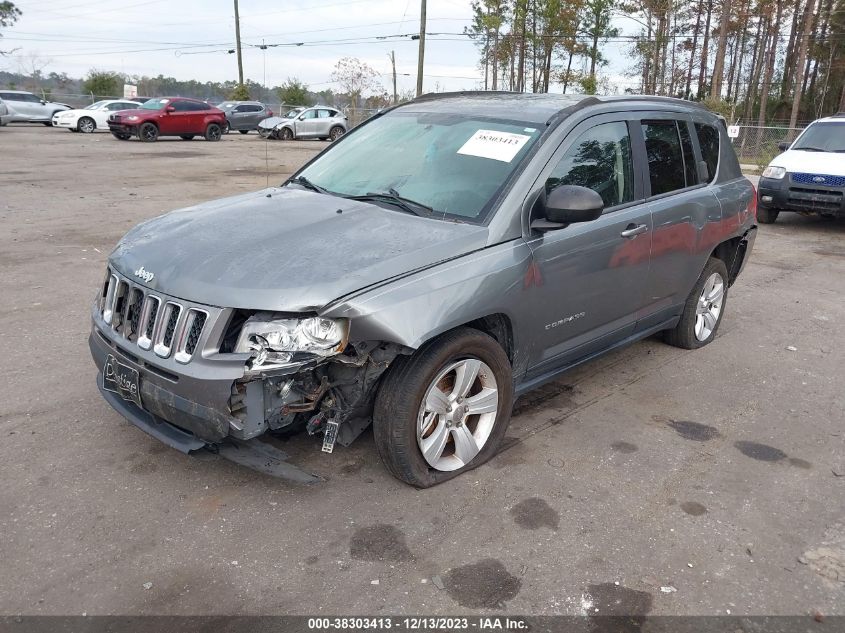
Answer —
818 179
146 275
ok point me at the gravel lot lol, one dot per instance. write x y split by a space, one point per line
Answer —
653 480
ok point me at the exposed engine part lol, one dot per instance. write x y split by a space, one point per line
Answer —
339 391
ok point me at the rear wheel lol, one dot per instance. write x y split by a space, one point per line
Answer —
213 132
336 132
86 125
767 216
286 134
703 309
445 409
187 137
148 132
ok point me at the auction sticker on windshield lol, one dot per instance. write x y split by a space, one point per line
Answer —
501 146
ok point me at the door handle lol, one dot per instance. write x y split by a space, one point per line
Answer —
632 230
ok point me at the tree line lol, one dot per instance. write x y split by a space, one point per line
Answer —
752 60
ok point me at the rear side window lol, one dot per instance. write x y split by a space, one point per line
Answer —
708 139
665 158
599 159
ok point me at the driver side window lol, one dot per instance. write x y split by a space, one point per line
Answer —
599 159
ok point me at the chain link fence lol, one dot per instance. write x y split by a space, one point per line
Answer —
757 145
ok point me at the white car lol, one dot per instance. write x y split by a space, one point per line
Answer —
93 117
809 176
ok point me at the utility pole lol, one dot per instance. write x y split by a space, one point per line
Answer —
421 55
238 45
393 63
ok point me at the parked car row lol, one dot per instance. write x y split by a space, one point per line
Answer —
148 118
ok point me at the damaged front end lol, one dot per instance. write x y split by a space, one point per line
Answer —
303 374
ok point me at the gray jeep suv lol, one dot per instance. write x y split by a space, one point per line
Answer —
443 258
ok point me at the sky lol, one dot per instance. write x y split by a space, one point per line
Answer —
189 39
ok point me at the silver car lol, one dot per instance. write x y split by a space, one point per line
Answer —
320 122
4 114
25 107
244 116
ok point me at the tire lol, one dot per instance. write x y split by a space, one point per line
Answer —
400 410
336 132
213 132
244 131
148 132
285 134
86 125
70 129
121 137
767 216
48 123
696 330
227 128
187 137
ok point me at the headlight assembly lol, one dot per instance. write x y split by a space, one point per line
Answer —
132 118
774 172
274 341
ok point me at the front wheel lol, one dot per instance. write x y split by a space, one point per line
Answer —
86 125
767 216
148 132
704 308
213 132
286 134
445 409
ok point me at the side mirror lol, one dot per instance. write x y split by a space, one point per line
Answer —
784 145
169 109
568 204
43 102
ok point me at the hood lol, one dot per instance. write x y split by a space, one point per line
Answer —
825 163
137 112
272 121
285 249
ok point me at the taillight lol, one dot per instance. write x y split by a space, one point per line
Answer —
269 113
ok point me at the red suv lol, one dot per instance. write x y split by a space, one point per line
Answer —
168 116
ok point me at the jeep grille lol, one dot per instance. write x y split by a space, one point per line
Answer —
151 320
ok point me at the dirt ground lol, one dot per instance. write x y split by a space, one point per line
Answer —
651 481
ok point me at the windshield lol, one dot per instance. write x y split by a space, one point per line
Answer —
453 163
154 104
96 106
293 113
822 137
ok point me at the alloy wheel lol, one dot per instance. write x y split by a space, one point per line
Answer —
86 125
709 306
457 414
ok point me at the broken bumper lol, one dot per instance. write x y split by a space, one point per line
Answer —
169 399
